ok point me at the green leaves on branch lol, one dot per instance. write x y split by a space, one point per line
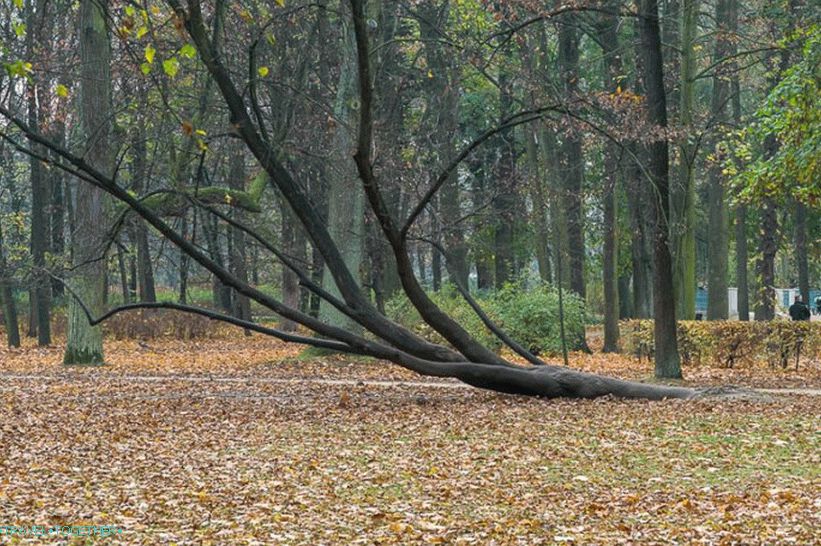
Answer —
18 69
791 114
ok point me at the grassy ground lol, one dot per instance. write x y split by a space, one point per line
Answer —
222 441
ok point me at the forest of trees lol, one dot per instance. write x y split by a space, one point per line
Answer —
321 159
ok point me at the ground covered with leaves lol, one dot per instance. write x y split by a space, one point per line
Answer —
238 441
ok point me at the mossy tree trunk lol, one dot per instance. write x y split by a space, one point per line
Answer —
85 342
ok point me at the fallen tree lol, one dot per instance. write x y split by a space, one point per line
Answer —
464 359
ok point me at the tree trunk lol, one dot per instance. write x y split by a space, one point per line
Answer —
683 194
346 200
571 158
7 303
480 251
289 279
718 225
539 213
765 266
443 122
625 298
57 210
667 362
801 251
641 204
504 188
741 262
145 269
609 39
40 192
121 265
182 296
85 342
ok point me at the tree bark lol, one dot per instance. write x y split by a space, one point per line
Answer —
85 342
718 216
346 200
667 362
609 40
145 269
40 192
571 158
443 122
683 192
504 190
7 303
765 265
237 258
801 251
289 279
741 262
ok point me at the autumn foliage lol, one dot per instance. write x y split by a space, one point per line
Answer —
729 343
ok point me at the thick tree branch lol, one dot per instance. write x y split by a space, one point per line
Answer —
366 314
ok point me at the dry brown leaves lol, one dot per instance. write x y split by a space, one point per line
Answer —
224 442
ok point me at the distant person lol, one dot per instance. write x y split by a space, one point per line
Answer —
818 305
798 310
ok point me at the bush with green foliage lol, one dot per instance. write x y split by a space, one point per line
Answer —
528 315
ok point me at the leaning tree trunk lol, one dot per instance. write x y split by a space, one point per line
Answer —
495 374
667 362
85 343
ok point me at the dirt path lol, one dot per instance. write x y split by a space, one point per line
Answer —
445 384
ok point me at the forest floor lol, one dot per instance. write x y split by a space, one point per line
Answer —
229 440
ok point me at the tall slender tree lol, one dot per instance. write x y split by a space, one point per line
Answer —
85 342
667 361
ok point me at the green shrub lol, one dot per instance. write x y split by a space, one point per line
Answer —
530 316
